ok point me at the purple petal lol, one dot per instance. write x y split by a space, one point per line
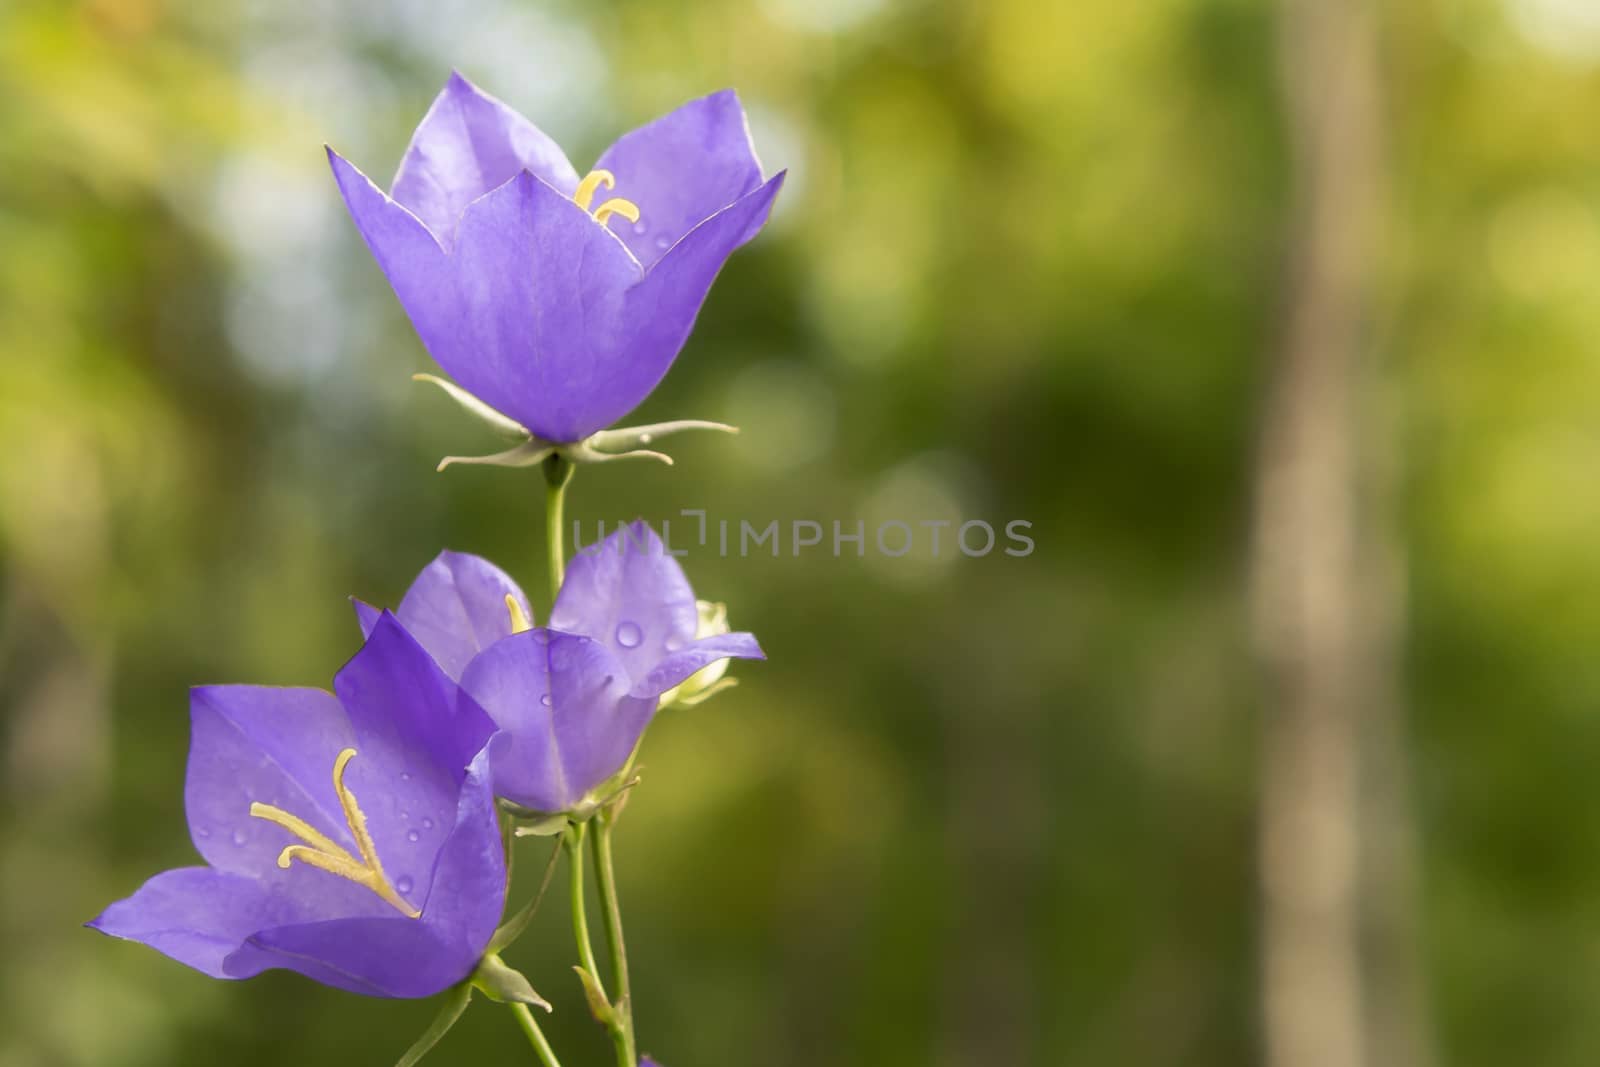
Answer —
661 309
681 169
539 335
367 616
455 609
398 957
467 144
563 700
377 957
276 746
415 732
409 255
469 880
681 664
629 594
198 916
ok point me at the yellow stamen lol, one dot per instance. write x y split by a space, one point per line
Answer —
326 855
592 182
616 206
519 618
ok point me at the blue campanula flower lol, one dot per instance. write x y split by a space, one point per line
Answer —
350 836
574 697
559 300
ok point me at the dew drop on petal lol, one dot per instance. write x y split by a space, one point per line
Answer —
240 837
545 700
202 831
405 776
413 836
663 242
403 884
639 227
629 635
427 824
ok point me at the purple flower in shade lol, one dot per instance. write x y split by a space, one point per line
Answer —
546 297
351 836
575 697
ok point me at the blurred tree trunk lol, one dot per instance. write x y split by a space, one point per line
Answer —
1327 575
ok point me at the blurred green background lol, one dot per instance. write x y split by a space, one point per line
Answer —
1029 265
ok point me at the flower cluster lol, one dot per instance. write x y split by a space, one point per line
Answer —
362 836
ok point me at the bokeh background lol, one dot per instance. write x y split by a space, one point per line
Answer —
1032 263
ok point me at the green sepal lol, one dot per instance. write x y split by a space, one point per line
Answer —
503 425
504 984
696 699
529 453
606 446
633 438
513 927
455 1003
548 826
608 794
599 1006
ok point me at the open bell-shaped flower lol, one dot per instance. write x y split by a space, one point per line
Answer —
350 836
573 698
558 301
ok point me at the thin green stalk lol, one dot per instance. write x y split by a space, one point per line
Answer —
557 473
580 919
599 1000
605 874
530 1026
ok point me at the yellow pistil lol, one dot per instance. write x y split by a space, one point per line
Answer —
325 855
592 183
519 618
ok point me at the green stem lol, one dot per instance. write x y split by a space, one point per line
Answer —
557 473
620 1031
530 1026
573 842
605 874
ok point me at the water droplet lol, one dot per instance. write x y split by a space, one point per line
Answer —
240 837
202 831
674 643
663 242
629 635
403 884
427 824
405 814
546 701
413 836
639 227
405 776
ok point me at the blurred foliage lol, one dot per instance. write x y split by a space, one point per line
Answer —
973 811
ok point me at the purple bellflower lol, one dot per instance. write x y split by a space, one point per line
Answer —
555 305
396 894
573 698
